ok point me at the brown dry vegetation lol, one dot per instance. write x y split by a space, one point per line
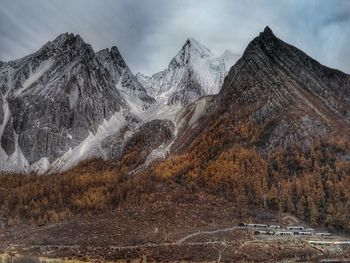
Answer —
224 162
311 183
216 183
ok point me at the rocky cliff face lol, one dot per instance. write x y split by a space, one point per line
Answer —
125 81
54 99
285 95
291 94
194 72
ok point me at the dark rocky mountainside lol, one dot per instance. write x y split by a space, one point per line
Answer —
291 94
282 92
276 136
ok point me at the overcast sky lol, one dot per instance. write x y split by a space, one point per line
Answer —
150 32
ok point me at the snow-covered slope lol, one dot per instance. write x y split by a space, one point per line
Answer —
194 72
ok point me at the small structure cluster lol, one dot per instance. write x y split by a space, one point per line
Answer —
266 229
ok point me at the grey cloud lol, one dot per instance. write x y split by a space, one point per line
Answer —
150 32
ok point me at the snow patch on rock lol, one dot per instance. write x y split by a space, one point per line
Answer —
199 109
90 147
41 166
34 76
16 162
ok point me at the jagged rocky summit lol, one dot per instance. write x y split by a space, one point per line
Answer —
54 99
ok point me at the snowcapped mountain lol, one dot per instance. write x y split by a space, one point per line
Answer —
65 103
63 99
194 72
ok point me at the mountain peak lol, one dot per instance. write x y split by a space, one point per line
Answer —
66 41
63 36
265 41
192 41
115 51
193 46
267 31
112 54
191 53
267 35
195 71
68 37
112 51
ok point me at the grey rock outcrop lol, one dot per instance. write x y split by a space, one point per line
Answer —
53 99
135 147
124 79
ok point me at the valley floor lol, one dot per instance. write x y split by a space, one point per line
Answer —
200 230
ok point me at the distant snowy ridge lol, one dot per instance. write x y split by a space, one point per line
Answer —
194 72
